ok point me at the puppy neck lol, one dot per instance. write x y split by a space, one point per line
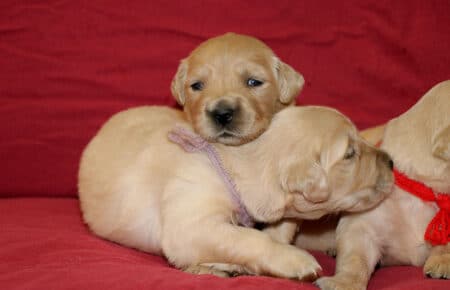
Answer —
192 142
254 170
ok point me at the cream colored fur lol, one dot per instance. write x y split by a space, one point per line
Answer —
140 190
374 135
223 65
393 233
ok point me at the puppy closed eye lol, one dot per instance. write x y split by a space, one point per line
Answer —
252 82
350 153
197 86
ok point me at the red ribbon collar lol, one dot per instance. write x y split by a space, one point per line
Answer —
438 230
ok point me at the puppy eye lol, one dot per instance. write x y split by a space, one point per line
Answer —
254 83
350 153
197 86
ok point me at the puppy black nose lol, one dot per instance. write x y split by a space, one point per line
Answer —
222 115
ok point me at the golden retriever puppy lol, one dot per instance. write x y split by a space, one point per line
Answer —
231 86
406 228
141 190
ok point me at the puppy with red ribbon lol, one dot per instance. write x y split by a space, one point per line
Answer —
412 226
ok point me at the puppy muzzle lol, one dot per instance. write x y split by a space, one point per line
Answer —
224 113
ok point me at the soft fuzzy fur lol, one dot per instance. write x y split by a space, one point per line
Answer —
140 190
223 66
393 232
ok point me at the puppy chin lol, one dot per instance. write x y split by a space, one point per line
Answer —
235 140
307 215
225 138
231 137
268 216
384 188
303 209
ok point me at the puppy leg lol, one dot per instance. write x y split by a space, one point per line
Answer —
220 242
197 229
284 231
217 269
206 269
438 263
357 255
319 235
230 269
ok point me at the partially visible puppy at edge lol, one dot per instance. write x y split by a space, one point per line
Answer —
140 190
230 87
404 229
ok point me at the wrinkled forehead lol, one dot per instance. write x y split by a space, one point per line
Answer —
333 123
231 51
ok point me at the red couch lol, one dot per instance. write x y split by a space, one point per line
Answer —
65 66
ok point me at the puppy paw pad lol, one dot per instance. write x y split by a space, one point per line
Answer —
201 270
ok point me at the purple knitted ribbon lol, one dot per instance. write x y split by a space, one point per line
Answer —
192 142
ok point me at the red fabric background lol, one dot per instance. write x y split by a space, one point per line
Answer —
66 66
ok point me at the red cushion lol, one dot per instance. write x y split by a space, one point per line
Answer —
44 245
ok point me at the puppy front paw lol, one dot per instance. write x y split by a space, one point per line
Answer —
233 270
291 262
339 283
218 269
201 269
438 266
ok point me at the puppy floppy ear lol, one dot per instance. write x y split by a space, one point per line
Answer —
177 86
441 144
290 82
310 180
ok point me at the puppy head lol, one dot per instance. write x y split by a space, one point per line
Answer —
419 139
231 86
327 166
419 151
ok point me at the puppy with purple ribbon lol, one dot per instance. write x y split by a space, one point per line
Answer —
231 86
147 181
